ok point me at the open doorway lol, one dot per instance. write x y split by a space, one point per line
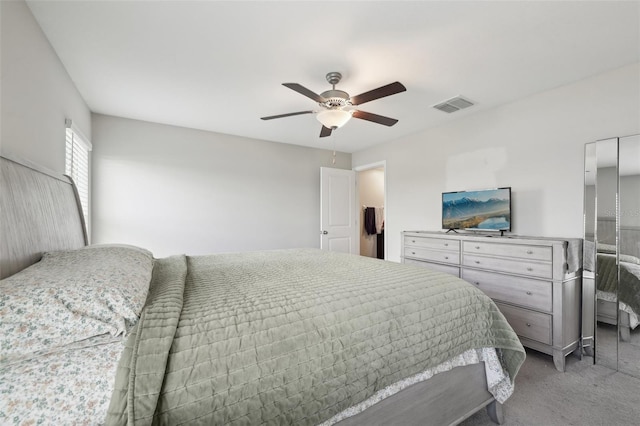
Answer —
371 196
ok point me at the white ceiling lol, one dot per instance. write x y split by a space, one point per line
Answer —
219 65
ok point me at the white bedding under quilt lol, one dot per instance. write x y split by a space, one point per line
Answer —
70 386
498 382
634 318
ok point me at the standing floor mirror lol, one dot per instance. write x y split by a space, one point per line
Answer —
611 289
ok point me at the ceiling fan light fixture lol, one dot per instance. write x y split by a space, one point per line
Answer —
333 118
336 106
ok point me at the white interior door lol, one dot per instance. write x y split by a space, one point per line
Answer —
338 218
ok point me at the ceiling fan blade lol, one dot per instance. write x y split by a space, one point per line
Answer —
271 117
304 91
380 119
325 132
380 92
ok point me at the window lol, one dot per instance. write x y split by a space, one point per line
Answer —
77 163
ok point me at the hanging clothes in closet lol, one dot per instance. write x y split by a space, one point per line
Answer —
374 220
374 225
370 220
380 232
379 219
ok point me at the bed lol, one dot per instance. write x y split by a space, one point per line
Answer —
110 334
618 303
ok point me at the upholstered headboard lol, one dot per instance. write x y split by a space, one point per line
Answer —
38 212
629 236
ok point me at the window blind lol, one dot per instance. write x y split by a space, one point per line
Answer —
77 165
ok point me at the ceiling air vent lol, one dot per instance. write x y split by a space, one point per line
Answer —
454 104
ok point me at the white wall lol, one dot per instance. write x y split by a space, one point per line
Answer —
630 201
37 94
176 190
535 145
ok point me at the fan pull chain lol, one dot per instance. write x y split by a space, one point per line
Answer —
333 141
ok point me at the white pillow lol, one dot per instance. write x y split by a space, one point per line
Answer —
607 248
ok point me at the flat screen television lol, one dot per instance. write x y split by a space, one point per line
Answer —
483 210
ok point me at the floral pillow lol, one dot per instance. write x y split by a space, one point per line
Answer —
72 295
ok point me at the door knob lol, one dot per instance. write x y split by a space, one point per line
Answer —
324 232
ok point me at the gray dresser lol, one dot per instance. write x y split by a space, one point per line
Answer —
535 282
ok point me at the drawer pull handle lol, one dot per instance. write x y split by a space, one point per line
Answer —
528 325
413 241
478 247
476 282
529 269
529 251
529 293
446 257
446 244
413 252
477 261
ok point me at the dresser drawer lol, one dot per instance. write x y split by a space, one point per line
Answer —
433 255
509 250
432 243
514 266
529 324
525 292
448 269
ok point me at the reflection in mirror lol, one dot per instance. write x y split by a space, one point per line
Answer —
606 238
629 255
589 249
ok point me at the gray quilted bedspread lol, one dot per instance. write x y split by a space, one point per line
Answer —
292 336
608 276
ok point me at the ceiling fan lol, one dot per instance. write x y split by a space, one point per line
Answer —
338 105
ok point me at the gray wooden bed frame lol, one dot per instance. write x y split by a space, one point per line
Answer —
607 314
40 212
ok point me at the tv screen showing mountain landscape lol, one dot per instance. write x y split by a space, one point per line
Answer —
487 209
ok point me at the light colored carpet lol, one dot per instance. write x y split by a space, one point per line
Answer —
628 353
585 394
